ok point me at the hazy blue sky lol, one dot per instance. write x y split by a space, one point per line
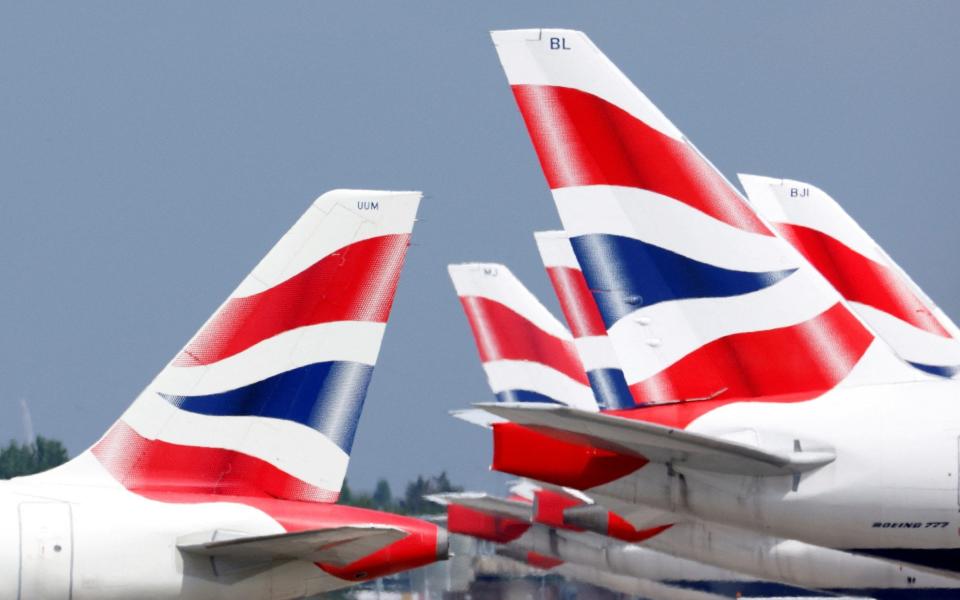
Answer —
151 152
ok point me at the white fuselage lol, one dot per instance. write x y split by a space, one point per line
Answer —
790 561
718 556
596 551
893 485
101 542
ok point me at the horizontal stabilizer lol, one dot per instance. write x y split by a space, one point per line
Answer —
339 546
658 443
499 507
476 417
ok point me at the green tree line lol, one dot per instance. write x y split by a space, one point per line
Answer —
25 459
412 501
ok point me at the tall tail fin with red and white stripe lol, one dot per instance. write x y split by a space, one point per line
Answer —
698 295
264 400
875 287
590 336
527 354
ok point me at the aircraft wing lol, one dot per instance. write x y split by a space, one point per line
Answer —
485 503
658 443
338 546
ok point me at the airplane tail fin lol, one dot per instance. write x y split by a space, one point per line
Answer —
527 354
875 287
699 297
264 400
595 350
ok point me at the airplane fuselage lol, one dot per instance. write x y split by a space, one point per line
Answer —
893 486
80 541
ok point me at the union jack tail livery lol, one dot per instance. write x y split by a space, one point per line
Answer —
220 479
264 399
527 354
875 287
759 354
699 297
595 350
